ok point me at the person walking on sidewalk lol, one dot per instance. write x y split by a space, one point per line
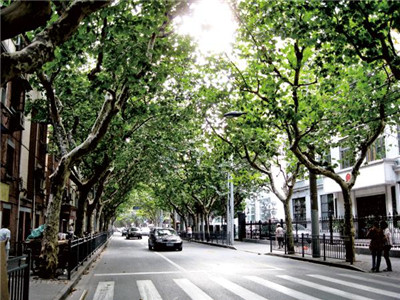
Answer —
387 245
376 245
189 233
279 233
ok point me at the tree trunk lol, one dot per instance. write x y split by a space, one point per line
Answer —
289 226
348 224
81 212
49 250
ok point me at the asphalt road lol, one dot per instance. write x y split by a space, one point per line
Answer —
128 270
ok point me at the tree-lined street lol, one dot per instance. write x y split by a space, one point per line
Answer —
128 270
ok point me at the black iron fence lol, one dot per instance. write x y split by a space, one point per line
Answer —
218 237
71 253
18 271
328 248
332 227
81 249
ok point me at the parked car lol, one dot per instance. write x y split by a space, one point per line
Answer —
164 238
134 232
124 231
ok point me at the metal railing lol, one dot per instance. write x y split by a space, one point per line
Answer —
329 248
81 249
18 271
214 237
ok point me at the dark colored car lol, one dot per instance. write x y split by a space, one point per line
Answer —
124 231
164 238
134 232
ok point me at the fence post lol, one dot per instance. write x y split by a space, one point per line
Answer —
323 240
70 258
27 275
302 244
259 229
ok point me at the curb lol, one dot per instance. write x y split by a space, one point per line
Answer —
66 291
321 262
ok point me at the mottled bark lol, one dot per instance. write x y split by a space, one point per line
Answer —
49 250
22 16
41 50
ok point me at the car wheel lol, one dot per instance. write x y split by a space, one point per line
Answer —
180 249
127 237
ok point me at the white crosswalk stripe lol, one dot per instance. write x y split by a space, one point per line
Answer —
237 289
373 280
358 286
280 288
104 290
324 288
147 290
191 290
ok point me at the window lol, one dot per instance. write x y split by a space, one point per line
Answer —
327 208
377 150
10 158
346 157
267 209
251 210
299 210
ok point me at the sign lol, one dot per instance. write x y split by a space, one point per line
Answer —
348 177
4 192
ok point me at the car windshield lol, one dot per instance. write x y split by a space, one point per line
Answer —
166 232
134 229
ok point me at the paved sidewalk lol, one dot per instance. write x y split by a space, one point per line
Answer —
363 262
41 289
59 289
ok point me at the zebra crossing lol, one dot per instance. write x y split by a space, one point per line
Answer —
335 287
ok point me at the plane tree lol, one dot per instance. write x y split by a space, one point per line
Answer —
294 81
130 64
46 24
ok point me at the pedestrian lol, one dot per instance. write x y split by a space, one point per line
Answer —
387 245
5 236
279 233
376 245
189 233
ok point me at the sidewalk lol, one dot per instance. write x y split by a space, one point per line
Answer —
363 262
59 289
40 289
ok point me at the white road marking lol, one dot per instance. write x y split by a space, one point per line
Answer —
147 290
237 289
324 288
194 292
146 273
358 286
280 288
104 290
373 280
171 262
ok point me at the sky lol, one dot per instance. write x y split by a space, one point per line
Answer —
211 24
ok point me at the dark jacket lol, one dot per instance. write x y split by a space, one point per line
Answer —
377 239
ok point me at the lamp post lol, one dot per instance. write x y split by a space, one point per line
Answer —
230 204
230 213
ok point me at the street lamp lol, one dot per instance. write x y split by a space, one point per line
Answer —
234 114
230 213
230 209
